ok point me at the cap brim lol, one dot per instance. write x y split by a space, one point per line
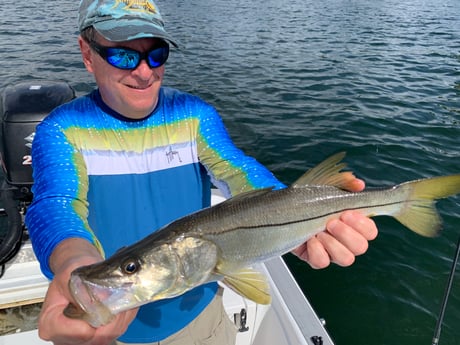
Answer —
127 30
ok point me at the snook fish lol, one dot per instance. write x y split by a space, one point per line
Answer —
221 242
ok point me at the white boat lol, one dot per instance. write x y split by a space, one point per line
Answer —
288 320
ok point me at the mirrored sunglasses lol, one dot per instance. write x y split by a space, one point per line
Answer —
129 59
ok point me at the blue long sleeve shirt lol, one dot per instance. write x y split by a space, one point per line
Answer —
113 180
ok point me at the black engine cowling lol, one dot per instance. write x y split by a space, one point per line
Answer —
23 106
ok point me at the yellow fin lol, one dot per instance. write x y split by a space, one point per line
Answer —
327 172
420 214
255 193
422 218
250 284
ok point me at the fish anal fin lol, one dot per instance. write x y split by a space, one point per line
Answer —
248 283
329 173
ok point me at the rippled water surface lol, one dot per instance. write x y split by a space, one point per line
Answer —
296 81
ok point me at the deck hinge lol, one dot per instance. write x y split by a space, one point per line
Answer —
240 320
317 340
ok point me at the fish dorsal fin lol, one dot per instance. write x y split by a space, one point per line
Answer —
251 194
248 283
327 172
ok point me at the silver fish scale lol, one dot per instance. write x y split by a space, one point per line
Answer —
279 221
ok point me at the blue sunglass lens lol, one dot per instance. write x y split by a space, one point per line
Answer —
129 59
158 56
123 58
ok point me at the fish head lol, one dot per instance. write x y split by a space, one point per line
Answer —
128 279
139 274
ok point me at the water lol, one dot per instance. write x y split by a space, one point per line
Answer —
296 81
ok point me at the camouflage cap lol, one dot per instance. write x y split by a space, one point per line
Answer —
123 20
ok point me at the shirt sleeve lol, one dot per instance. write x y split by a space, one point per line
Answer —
231 170
59 208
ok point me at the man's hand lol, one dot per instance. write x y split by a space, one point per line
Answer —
343 239
61 330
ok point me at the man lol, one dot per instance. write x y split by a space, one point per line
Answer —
130 157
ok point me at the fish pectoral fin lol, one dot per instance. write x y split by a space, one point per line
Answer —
250 284
327 173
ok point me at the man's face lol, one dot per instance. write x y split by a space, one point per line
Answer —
132 93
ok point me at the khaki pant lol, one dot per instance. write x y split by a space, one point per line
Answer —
212 326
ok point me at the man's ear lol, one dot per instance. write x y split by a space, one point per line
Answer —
86 54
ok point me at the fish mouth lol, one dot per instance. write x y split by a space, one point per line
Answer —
90 300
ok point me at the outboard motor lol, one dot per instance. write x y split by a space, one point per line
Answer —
23 106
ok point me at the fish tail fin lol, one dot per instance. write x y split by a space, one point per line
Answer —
250 284
420 214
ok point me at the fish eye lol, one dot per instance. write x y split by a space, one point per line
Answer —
130 266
